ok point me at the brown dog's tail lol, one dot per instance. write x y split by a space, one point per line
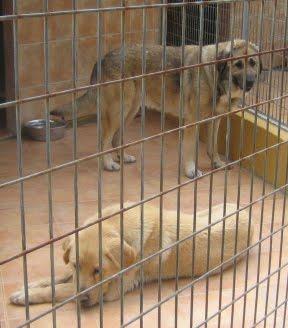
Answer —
84 104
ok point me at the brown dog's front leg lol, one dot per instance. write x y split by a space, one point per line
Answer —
212 145
190 153
38 295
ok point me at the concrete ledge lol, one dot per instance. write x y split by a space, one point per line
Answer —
279 152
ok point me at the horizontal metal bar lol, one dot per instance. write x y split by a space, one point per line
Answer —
125 209
133 143
136 77
117 8
210 272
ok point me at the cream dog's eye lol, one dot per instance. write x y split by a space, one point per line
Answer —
96 271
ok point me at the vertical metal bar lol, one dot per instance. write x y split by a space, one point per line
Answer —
227 151
162 140
261 220
214 100
285 191
48 155
281 249
142 149
241 141
196 158
266 155
100 158
285 306
253 165
75 156
20 158
121 136
245 21
180 150
275 186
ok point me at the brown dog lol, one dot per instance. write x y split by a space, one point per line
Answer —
236 228
110 94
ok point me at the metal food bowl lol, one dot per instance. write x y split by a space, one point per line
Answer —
36 129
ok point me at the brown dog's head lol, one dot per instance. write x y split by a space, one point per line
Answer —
244 71
89 264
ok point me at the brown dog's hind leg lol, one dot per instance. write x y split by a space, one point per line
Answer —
116 138
111 121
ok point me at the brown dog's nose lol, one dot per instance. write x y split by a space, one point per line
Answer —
249 82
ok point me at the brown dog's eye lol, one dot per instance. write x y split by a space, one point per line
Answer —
239 64
252 62
96 271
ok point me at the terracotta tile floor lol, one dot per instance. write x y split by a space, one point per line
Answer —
36 216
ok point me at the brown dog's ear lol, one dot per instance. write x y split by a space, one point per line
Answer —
66 246
222 65
113 253
261 66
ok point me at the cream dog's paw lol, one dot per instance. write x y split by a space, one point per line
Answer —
18 298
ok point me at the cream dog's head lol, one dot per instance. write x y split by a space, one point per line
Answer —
89 266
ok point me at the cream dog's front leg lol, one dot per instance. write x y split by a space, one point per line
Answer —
130 281
37 295
40 291
190 153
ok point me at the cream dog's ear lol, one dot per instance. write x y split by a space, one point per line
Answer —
113 252
66 246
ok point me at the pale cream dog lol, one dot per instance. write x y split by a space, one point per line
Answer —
40 292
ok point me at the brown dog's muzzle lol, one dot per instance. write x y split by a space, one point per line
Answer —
250 80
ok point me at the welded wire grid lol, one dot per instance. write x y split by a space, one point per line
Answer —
181 23
242 22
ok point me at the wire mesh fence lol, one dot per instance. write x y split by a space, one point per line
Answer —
169 56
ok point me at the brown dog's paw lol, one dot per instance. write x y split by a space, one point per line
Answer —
193 173
128 159
221 164
111 166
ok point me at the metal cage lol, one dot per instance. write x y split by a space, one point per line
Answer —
55 183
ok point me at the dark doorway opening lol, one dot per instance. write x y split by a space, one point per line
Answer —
192 28
7 116
3 119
